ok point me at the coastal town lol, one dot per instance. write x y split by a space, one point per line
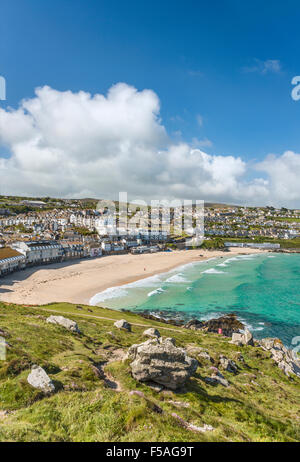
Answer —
46 230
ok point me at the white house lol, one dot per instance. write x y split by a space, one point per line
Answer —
37 252
10 261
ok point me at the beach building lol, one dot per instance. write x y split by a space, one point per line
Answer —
94 249
39 252
73 250
254 245
11 260
106 246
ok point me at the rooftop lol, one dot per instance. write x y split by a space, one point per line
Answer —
7 252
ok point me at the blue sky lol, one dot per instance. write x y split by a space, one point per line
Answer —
222 70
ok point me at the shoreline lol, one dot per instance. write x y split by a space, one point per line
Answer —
78 282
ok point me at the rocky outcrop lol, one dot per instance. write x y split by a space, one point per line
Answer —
228 324
194 324
159 360
283 357
123 324
151 333
240 339
64 322
228 364
39 379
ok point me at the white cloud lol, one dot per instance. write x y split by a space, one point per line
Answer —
199 119
272 66
68 144
203 143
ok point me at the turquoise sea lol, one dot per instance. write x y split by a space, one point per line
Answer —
262 289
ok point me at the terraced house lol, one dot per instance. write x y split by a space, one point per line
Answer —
39 252
11 260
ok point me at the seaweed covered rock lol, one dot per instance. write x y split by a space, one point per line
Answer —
159 360
227 324
194 324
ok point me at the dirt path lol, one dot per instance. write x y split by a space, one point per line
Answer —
106 319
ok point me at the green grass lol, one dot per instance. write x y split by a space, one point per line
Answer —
260 406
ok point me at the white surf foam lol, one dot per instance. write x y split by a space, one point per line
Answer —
111 292
177 278
213 271
156 292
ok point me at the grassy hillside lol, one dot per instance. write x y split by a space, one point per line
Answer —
261 403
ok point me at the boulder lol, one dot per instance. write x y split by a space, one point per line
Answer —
228 364
123 324
237 339
217 379
245 338
290 367
151 332
248 338
159 360
39 379
64 322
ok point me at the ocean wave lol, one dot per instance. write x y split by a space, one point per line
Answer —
177 278
156 292
213 271
111 292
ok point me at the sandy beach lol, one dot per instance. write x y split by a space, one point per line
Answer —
78 281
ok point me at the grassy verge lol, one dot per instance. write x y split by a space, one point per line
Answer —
261 403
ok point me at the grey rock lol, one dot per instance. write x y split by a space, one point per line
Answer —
248 338
228 364
192 427
137 393
199 352
237 339
151 332
159 360
64 322
290 368
217 379
39 379
240 339
283 357
123 324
